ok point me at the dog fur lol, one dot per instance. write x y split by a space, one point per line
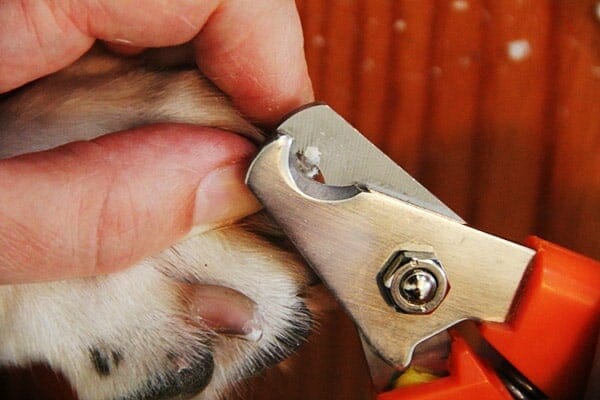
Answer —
128 335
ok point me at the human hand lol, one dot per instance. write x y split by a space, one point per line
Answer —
96 207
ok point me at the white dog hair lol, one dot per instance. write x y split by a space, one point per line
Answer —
128 335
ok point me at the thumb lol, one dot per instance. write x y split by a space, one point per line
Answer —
94 207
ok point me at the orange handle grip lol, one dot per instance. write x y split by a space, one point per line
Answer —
550 337
469 378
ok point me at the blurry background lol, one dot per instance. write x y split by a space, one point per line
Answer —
493 105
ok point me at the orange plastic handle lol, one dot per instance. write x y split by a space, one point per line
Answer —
469 379
550 336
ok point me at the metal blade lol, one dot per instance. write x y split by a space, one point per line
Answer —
430 356
348 237
349 158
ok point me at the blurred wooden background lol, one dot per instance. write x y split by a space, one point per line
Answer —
493 105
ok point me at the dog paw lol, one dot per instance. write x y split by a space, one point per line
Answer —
197 318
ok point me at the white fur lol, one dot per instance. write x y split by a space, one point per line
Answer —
136 321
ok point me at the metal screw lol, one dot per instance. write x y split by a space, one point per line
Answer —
418 286
413 282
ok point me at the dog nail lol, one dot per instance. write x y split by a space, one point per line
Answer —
222 196
252 331
225 311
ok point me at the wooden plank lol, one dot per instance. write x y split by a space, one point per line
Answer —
509 146
408 84
450 119
313 16
377 29
339 71
571 209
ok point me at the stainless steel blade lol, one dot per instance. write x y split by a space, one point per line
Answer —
347 236
348 158
430 356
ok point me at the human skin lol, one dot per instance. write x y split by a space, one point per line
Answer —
86 208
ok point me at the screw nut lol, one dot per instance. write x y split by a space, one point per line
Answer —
413 282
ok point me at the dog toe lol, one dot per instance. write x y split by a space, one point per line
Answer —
182 381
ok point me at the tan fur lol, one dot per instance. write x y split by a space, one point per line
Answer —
136 320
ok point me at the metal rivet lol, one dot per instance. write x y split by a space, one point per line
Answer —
418 286
413 282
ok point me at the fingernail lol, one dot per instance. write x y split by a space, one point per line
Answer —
223 196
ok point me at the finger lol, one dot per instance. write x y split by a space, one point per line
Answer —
41 37
89 208
253 50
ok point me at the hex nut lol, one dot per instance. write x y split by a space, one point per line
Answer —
413 282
